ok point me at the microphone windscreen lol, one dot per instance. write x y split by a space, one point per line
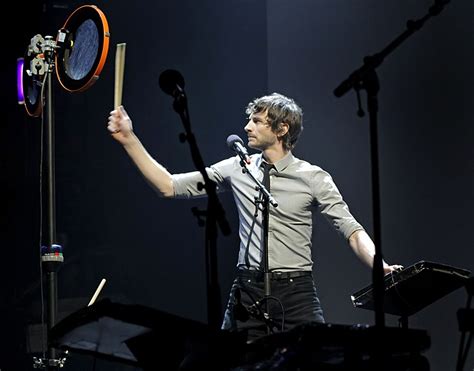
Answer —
232 139
169 79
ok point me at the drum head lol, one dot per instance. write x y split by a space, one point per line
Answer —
84 43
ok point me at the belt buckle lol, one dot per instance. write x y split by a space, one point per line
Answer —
278 275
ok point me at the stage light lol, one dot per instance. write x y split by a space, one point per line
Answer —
19 80
33 74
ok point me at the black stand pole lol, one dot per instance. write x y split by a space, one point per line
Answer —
215 213
371 85
266 266
366 78
265 200
51 252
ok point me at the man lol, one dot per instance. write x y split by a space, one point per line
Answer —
275 123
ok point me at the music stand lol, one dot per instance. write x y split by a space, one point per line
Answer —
413 288
144 337
331 347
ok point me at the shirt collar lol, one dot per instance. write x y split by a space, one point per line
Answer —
281 164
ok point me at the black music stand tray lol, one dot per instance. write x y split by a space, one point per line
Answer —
413 288
143 337
337 347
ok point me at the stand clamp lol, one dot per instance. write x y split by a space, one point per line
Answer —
47 363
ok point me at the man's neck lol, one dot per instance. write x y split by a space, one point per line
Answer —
272 155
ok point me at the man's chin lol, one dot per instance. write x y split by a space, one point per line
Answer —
253 146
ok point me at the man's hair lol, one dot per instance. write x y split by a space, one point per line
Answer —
280 109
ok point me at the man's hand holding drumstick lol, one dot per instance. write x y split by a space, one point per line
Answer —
119 125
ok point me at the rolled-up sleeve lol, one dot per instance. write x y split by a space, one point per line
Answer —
186 185
332 205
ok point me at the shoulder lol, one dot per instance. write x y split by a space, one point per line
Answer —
227 166
303 166
317 178
226 162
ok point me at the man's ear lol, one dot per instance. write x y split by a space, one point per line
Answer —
283 129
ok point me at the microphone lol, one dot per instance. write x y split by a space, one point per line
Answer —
172 83
237 145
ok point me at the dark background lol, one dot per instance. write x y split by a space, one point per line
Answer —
151 251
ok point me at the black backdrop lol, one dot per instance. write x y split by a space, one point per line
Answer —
112 225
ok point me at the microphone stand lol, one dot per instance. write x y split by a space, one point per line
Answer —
265 200
366 78
214 215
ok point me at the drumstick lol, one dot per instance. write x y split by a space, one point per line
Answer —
119 71
97 292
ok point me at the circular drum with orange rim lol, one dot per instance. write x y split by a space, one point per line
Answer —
83 45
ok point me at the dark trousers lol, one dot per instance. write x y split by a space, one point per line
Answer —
293 301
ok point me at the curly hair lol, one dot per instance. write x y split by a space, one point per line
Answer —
280 109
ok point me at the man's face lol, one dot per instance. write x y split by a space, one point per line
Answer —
259 132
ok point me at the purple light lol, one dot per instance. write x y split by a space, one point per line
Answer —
19 80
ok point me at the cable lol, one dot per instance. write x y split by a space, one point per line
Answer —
258 313
254 220
282 327
261 314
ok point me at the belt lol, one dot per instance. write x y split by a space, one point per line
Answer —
258 275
